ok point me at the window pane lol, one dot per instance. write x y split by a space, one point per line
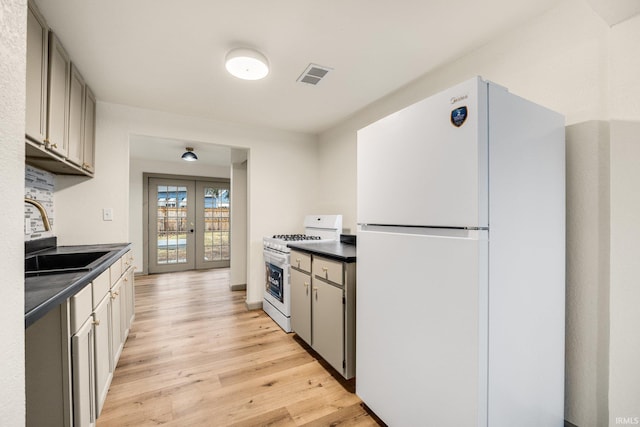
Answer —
171 224
216 224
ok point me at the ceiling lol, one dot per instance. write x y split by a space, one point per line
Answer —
168 55
615 11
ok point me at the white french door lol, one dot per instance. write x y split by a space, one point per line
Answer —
188 224
171 225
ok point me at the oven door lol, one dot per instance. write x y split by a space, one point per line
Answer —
276 282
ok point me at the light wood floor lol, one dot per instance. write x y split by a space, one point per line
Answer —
196 357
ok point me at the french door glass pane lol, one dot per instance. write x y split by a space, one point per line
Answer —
172 224
216 224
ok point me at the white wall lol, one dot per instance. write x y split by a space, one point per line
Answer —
79 200
281 170
136 207
624 349
569 60
13 18
587 288
238 265
624 384
624 63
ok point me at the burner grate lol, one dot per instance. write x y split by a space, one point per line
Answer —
295 237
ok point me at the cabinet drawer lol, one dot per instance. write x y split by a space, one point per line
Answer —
327 269
127 261
81 308
115 270
301 261
101 285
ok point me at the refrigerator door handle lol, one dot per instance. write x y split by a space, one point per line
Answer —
464 233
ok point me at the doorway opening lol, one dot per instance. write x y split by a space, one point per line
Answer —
187 223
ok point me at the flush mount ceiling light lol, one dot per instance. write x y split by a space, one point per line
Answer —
189 155
247 64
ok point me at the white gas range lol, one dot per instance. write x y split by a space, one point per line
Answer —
277 290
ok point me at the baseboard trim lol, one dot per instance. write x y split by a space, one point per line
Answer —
253 305
242 287
568 424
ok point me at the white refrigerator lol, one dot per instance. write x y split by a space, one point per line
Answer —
461 262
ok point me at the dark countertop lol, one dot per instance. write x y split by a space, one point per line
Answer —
42 293
335 250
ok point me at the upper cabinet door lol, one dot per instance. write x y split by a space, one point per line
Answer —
89 130
58 108
75 153
425 165
37 57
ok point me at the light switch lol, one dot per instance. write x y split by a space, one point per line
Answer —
107 214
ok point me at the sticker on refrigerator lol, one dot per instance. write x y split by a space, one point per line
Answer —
458 116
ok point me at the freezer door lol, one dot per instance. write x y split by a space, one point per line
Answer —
421 324
423 166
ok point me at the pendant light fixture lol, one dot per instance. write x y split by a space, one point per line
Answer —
189 155
247 64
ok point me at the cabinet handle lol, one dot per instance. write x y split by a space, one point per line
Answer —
126 279
46 141
96 322
325 270
306 285
54 145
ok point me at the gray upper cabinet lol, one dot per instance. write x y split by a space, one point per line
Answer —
75 153
58 108
89 131
37 67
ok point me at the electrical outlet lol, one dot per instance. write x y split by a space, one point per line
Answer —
107 214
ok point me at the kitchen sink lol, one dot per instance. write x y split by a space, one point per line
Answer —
37 265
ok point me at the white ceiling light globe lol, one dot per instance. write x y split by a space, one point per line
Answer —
247 64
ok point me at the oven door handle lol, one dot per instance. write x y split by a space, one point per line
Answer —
280 261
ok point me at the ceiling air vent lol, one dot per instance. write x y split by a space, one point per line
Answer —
313 74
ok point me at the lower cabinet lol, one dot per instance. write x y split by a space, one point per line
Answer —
130 300
116 323
48 370
323 308
82 359
71 353
102 353
301 304
328 325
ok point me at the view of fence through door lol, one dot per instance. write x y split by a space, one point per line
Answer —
212 217
188 224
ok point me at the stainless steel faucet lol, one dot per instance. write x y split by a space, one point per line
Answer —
43 212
